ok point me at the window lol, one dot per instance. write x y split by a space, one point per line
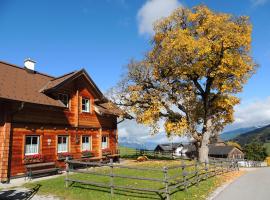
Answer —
86 143
31 145
85 105
104 143
62 144
64 99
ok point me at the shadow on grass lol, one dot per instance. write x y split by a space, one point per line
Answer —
14 194
121 192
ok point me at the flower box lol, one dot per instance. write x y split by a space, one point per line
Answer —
63 156
87 154
106 152
28 159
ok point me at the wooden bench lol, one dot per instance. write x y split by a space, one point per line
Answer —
40 169
115 157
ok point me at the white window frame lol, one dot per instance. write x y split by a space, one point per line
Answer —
86 146
31 145
67 98
59 146
87 107
105 145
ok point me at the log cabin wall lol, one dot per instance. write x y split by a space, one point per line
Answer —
5 131
48 143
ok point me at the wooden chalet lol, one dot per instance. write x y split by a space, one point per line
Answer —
45 118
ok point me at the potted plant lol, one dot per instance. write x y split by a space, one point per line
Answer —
87 154
37 158
64 155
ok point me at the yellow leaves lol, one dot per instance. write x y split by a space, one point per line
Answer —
178 127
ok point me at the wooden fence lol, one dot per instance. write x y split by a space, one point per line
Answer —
188 175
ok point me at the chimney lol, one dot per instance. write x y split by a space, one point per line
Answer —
29 64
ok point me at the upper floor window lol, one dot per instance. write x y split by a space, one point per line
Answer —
64 99
85 105
31 145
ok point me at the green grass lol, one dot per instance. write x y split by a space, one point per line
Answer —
56 186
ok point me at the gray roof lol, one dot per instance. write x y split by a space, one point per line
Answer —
220 150
168 146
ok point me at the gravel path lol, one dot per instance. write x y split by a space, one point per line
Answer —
24 194
252 186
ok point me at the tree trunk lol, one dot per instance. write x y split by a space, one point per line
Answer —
203 153
203 149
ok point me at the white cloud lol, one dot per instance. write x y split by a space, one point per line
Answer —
258 2
256 113
153 10
133 132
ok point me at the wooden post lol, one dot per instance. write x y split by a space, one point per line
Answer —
197 173
67 171
206 170
99 143
184 175
111 175
167 191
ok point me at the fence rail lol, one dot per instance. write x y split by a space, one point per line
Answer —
187 175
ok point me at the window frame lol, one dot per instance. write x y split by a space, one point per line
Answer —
67 143
67 96
38 145
84 104
89 142
107 142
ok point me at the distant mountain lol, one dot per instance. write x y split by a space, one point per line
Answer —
136 145
261 135
228 135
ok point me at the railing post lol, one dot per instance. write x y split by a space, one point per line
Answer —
197 173
111 175
184 175
167 190
206 170
67 172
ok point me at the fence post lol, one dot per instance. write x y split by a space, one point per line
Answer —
197 173
184 175
167 191
206 170
67 171
111 175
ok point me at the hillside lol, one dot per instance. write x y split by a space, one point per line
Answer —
261 135
229 135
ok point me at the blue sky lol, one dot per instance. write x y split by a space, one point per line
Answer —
103 35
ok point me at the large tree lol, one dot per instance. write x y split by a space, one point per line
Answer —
189 79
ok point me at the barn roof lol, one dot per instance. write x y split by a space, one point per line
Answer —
168 146
220 150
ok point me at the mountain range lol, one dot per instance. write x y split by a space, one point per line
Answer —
242 136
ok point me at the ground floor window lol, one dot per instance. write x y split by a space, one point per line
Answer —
86 143
105 142
31 145
62 144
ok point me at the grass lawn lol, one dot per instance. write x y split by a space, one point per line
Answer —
76 191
